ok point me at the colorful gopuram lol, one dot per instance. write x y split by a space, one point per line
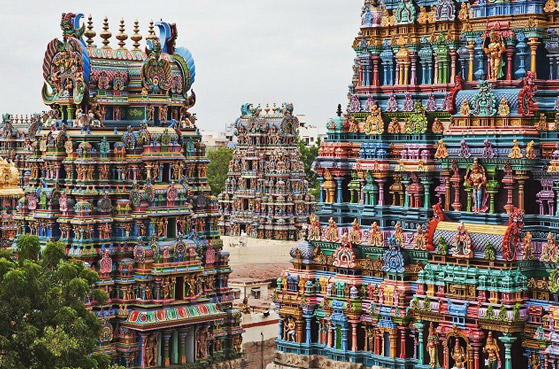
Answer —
117 172
266 193
435 241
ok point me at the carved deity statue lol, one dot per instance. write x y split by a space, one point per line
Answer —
494 50
475 177
515 151
492 350
432 344
441 152
376 238
459 355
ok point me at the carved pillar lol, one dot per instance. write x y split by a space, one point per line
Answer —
376 60
353 336
436 73
447 194
377 342
413 69
452 65
308 330
344 339
362 191
402 342
182 349
321 181
510 51
166 354
299 330
478 51
406 182
380 191
533 43
507 339
393 342
556 189
426 182
339 198
521 53
330 334
521 179
476 346
455 179
420 326
397 79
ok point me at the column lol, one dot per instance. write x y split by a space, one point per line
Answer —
436 73
447 190
426 182
420 325
452 65
533 43
478 51
330 334
380 191
144 337
344 339
280 330
507 339
556 189
353 336
510 51
339 198
377 342
402 342
413 69
521 53
476 346
166 354
392 337
308 330
321 181
406 181
521 179
376 59
182 348
362 190
398 72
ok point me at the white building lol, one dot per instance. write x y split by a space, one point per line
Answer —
307 132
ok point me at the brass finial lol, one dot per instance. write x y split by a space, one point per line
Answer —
151 34
136 37
106 34
267 110
121 36
90 33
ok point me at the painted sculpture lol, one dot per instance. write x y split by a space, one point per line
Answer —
456 201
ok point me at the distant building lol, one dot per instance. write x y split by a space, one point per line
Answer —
307 132
214 139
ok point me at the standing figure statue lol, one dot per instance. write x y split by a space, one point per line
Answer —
494 50
492 351
459 355
475 177
432 346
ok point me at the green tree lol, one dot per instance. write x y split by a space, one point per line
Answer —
218 167
308 155
44 321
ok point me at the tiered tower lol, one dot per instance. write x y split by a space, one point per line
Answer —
118 174
435 240
266 193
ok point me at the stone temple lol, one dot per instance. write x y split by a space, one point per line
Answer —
116 171
434 244
266 193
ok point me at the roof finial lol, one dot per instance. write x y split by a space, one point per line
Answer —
106 34
90 33
339 111
121 36
136 37
151 34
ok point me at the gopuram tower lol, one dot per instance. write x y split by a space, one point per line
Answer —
266 193
435 240
118 173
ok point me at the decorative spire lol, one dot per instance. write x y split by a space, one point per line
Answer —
121 36
151 34
106 34
90 33
136 37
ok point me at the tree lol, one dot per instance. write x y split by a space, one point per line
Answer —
218 167
44 320
308 155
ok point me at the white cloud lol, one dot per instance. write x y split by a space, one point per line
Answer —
245 50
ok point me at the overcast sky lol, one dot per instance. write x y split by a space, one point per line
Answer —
259 51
